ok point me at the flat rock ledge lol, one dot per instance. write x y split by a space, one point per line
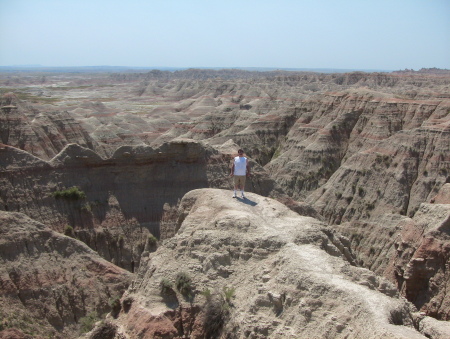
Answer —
253 268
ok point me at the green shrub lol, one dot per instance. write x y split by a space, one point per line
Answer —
183 283
166 286
73 193
151 239
69 231
86 207
228 293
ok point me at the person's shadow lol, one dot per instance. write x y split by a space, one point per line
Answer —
247 201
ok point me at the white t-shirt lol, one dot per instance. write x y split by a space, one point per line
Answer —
240 165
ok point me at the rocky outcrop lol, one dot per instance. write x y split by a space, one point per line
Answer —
118 201
253 268
51 283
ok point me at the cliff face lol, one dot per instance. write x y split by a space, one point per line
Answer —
50 283
126 197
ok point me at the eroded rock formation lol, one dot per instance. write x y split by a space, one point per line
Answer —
253 268
50 282
368 153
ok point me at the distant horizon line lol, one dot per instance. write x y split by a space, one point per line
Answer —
107 68
169 68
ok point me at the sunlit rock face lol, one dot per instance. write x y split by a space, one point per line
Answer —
263 271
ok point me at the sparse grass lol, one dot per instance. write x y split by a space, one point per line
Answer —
206 293
22 321
87 323
276 154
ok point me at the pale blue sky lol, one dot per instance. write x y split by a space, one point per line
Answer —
345 34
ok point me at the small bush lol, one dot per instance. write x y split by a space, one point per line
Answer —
68 231
166 286
126 303
183 283
361 191
228 293
215 316
115 305
73 193
86 207
151 240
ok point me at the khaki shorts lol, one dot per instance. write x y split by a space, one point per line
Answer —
239 180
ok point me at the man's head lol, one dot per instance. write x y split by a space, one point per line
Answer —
241 152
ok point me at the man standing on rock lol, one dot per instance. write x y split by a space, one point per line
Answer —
240 170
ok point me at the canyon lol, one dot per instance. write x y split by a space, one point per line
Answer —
350 175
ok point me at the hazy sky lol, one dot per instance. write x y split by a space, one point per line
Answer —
340 34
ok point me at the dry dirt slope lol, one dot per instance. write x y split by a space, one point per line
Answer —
50 283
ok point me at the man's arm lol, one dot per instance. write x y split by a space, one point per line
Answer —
232 170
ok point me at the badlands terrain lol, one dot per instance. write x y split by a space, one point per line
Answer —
117 219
